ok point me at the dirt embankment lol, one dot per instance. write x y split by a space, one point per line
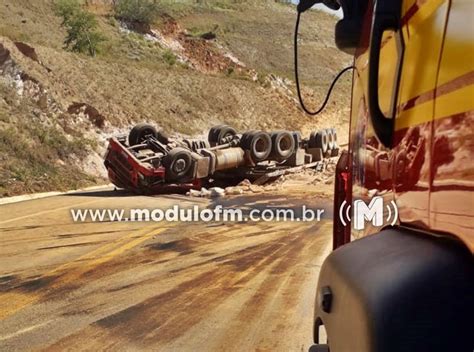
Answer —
199 65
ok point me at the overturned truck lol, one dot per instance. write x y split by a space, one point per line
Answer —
148 161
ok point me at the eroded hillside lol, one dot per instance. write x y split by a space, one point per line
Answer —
197 65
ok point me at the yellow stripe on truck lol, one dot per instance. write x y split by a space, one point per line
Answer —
455 102
417 115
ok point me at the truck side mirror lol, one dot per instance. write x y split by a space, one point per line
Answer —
348 34
386 18
349 29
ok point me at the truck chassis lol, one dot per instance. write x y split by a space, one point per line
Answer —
147 161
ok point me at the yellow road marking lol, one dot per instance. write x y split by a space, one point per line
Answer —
12 302
22 331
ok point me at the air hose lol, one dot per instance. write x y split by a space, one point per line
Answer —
298 88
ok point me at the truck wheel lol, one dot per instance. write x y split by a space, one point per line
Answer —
140 132
218 133
320 140
177 163
330 139
212 136
225 132
334 134
259 144
283 145
245 140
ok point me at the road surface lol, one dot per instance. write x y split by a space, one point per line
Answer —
126 286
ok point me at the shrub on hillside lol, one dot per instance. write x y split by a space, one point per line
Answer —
169 57
81 27
141 11
66 9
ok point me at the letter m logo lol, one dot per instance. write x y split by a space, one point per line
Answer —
373 212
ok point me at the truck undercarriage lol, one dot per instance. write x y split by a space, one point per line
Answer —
147 161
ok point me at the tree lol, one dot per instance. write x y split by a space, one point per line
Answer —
66 9
80 26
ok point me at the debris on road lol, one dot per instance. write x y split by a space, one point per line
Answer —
321 179
213 192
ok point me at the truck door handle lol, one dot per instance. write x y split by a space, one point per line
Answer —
387 16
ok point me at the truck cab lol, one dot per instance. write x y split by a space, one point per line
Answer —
406 284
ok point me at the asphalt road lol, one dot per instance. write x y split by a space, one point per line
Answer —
126 286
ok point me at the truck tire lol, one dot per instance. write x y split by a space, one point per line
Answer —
212 137
225 132
259 145
177 163
330 139
283 145
334 133
244 141
218 133
319 140
140 132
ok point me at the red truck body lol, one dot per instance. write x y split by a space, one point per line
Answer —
127 172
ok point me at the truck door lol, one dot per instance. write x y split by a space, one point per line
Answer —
452 163
405 75
424 25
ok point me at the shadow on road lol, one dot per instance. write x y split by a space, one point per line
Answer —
102 193
263 201
110 193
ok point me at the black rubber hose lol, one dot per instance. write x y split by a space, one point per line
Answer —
298 89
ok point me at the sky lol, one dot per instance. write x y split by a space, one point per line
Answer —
324 8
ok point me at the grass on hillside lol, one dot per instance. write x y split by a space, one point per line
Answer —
133 79
33 156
